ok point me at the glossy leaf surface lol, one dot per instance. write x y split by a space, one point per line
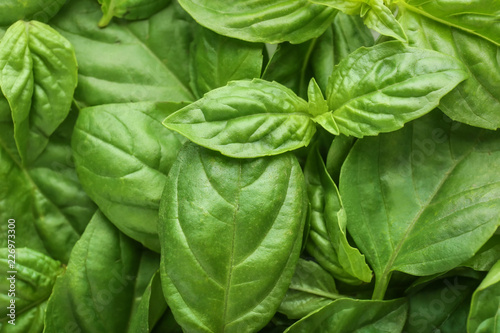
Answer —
475 101
246 119
129 9
254 210
379 89
410 196
311 288
349 315
128 61
38 75
267 21
484 313
97 291
327 238
479 17
132 137
216 60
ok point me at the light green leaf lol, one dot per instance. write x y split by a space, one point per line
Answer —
268 21
311 288
379 89
128 62
487 256
317 103
254 210
30 321
14 10
349 315
96 294
479 17
28 282
349 7
216 60
327 238
484 315
123 155
346 35
38 75
246 119
410 196
46 199
378 17
129 9
475 101
441 307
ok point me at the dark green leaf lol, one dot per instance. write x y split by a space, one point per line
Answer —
379 89
254 211
424 199
123 155
349 315
268 21
14 10
487 256
246 119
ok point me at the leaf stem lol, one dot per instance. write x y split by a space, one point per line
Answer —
381 286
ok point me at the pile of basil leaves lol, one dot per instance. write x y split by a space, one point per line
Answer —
251 166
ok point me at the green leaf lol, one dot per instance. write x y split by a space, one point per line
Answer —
30 321
327 238
216 60
337 153
128 62
484 315
487 256
410 196
479 17
129 9
29 282
476 100
311 288
378 17
349 7
14 10
346 35
379 89
46 199
349 315
123 155
246 119
254 210
38 75
442 306
151 307
317 103
96 294
268 21
290 66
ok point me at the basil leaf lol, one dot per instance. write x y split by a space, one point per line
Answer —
379 89
311 288
290 66
254 209
29 321
484 315
422 194
487 256
129 9
46 197
347 34
216 60
97 291
441 306
268 21
246 119
128 62
474 101
327 238
34 277
14 10
38 75
479 17
337 153
349 315
131 136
